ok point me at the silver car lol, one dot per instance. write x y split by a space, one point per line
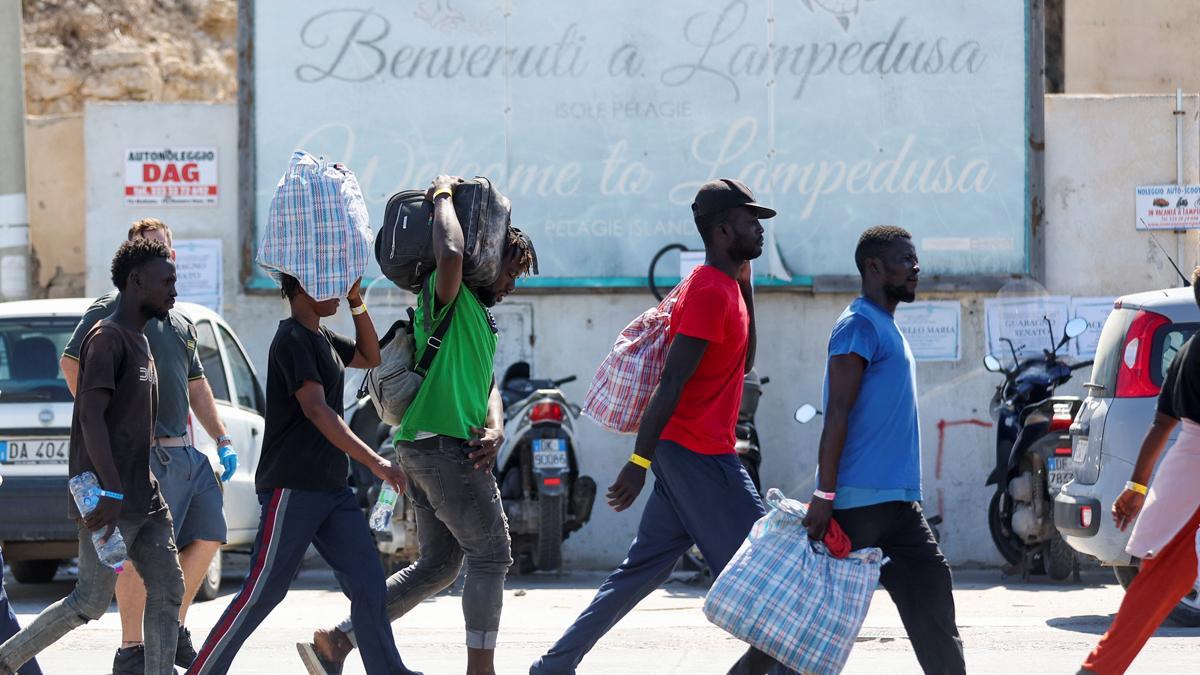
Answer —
1139 340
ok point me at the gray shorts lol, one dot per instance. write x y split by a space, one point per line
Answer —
192 492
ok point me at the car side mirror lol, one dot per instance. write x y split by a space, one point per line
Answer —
992 364
1076 327
806 413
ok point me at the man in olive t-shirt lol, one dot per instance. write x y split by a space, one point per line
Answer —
447 444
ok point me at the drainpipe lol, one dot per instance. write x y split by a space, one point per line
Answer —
1179 137
1180 235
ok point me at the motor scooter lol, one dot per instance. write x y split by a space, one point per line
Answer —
1033 455
545 494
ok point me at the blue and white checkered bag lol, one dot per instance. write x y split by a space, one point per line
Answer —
787 596
317 229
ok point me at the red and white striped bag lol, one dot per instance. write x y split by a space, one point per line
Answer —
623 383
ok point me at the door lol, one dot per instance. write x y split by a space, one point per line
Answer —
239 491
514 321
246 417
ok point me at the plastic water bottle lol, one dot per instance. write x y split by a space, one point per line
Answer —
381 515
86 491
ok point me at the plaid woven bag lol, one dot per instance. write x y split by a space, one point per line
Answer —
317 228
787 596
621 388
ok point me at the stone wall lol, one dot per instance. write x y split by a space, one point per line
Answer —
128 50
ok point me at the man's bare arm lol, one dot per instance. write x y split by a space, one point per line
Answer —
200 397
845 382
70 369
311 396
448 241
682 359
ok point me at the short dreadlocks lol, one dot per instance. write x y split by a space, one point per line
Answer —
133 254
520 246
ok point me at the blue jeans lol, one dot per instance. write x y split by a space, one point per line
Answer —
459 515
9 627
703 499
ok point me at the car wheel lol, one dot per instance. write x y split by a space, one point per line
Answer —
1186 613
210 586
34 571
1060 558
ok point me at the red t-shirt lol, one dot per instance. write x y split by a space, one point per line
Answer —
710 307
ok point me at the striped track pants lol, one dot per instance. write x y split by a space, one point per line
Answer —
291 520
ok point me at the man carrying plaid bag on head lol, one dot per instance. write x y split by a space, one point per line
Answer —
701 494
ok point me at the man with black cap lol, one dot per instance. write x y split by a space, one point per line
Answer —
701 495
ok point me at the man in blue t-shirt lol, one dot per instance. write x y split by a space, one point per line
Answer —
869 471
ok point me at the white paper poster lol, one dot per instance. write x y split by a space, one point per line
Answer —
1023 322
1095 311
932 329
198 272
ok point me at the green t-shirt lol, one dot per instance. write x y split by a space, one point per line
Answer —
454 396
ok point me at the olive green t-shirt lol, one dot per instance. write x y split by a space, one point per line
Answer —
454 396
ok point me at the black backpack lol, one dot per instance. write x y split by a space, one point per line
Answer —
404 245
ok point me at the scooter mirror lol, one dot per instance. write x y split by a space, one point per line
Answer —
806 413
1076 327
992 364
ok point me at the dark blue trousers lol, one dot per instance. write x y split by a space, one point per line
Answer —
291 520
705 499
9 626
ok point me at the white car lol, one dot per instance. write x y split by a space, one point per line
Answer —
35 429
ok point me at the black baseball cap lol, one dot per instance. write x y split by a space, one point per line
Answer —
727 193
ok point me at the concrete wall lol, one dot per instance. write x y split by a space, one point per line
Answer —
14 216
1091 250
1098 148
56 188
1115 47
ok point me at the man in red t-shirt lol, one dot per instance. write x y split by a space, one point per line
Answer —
702 495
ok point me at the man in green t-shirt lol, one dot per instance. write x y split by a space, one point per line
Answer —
447 444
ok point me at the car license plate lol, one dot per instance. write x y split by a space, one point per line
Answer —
34 451
1060 471
549 453
1079 448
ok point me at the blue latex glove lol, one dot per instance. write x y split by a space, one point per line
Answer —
229 460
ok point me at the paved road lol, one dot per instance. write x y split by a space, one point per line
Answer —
1008 627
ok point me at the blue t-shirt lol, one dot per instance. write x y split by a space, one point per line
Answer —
881 461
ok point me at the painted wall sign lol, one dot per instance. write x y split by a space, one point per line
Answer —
171 175
932 329
1167 207
600 120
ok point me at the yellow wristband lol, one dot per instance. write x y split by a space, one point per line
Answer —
1136 487
361 309
639 460
442 191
